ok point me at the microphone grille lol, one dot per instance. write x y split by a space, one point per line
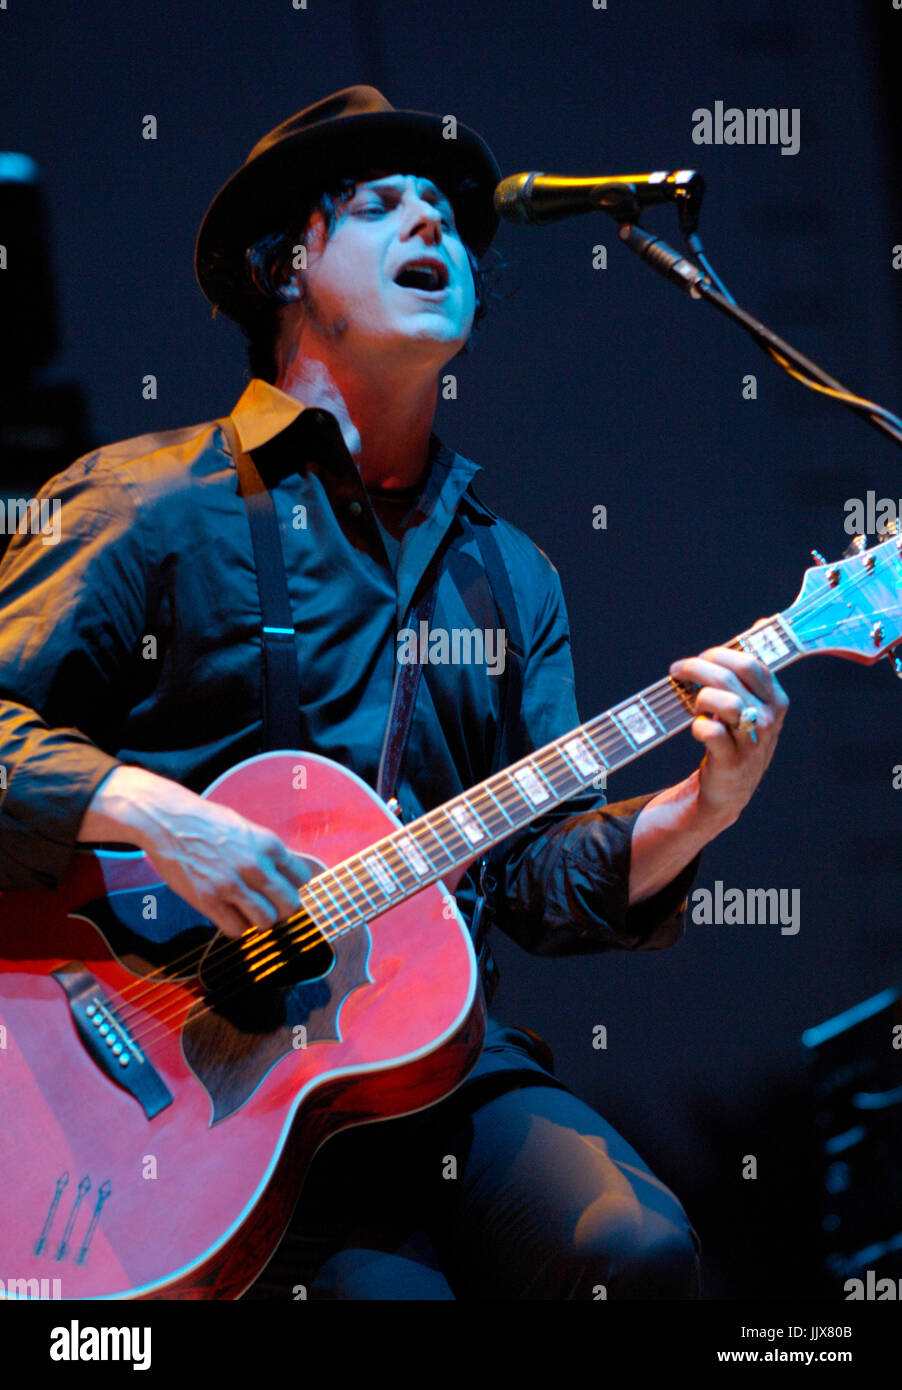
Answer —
512 197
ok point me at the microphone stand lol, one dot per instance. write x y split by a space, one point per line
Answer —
676 268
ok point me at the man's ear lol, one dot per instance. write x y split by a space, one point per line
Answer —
277 276
286 270
288 289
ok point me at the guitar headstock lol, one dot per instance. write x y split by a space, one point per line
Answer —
852 607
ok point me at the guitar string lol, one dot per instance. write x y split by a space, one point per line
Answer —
669 689
136 994
513 800
316 935
169 1024
672 701
664 693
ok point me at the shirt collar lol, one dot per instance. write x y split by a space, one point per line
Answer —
263 411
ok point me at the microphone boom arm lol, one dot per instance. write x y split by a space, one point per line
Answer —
680 271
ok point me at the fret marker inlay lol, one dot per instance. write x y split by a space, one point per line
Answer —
408 848
466 822
635 723
374 865
578 751
530 785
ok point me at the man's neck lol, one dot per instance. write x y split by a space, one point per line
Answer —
385 421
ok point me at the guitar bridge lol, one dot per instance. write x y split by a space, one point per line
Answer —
108 1040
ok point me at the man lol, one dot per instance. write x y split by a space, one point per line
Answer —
130 662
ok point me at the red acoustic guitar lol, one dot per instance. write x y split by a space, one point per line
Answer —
164 1088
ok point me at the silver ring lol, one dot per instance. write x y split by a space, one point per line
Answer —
748 718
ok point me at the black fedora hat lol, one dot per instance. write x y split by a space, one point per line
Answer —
345 134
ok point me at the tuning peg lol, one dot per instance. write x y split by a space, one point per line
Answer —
855 546
897 664
832 572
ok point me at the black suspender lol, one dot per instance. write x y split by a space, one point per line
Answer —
281 686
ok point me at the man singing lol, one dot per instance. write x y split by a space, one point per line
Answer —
348 248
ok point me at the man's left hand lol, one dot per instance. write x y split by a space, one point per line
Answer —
735 761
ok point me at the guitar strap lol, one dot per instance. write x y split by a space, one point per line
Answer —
281 685
404 692
507 748
407 679
505 751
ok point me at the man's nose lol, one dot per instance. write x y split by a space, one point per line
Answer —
425 218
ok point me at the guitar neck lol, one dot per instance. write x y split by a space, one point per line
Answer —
453 834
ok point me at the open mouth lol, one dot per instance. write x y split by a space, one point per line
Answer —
424 274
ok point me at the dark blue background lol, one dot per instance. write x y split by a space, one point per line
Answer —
587 386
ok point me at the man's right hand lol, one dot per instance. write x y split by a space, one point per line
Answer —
235 872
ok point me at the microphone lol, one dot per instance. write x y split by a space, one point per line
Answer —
538 198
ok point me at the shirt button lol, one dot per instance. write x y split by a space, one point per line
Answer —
355 509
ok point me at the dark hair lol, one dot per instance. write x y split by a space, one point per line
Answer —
267 265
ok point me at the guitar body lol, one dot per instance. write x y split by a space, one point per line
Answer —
184 1189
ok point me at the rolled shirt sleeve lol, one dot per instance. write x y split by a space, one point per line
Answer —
71 619
563 883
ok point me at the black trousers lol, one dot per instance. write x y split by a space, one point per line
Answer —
529 1195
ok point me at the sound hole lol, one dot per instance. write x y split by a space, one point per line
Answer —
268 978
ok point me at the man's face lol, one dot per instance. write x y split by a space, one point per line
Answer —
394 273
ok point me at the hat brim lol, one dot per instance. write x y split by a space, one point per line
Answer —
273 187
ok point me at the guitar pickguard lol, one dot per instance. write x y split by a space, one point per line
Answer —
230 1060
230 1041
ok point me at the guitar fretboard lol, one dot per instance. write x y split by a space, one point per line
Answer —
396 867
